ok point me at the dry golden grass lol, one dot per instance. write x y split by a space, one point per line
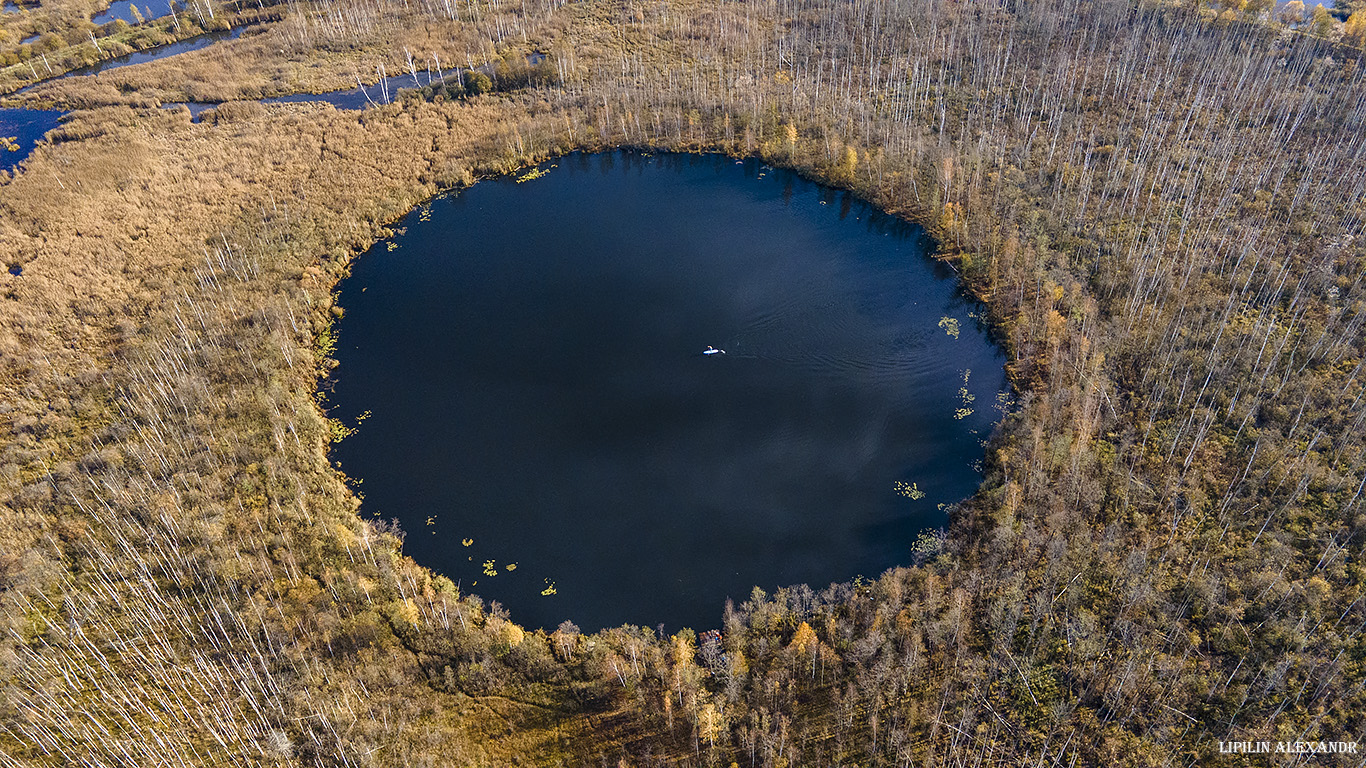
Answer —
110 230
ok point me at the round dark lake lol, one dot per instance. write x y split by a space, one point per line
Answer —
531 357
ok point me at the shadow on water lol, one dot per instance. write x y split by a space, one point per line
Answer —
532 357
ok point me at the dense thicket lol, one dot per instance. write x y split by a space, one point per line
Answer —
1161 207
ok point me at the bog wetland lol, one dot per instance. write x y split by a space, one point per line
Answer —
541 419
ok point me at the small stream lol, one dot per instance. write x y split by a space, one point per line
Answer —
28 126
385 90
159 52
360 97
144 56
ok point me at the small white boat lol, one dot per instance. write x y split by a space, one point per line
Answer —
713 351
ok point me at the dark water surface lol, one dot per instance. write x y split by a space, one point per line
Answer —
382 92
532 358
123 9
26 127
196 108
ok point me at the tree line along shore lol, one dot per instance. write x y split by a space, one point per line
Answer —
1160 204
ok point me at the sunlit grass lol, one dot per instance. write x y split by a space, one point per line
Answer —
533 174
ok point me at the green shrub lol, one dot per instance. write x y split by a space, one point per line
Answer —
478 83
